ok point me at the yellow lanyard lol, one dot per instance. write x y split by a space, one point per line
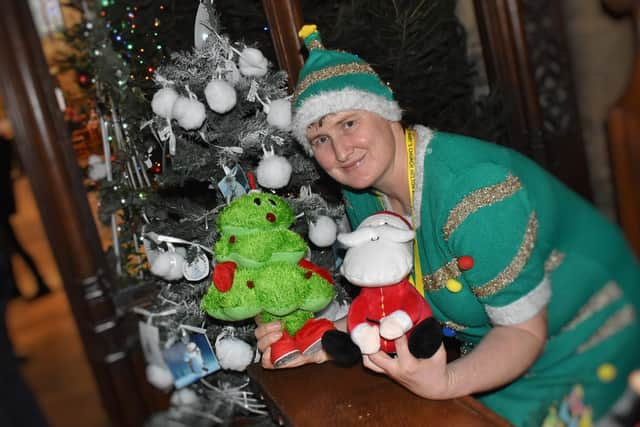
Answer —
410 142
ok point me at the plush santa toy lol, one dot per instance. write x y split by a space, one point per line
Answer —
379 259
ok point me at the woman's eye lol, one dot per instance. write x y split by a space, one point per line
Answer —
349 124
319 140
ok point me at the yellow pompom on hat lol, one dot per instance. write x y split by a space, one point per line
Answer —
332 81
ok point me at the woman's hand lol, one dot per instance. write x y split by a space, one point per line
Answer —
503 355
428 378
268 333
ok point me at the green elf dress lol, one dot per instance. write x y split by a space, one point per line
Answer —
499 239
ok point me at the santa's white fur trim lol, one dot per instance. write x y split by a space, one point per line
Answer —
318 106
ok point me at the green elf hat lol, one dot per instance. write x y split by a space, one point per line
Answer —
332 81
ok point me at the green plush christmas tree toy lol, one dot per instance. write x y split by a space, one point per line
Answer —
261 270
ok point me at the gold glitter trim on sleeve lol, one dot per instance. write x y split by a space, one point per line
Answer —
436 280
621 319
479 198
509 274
329 72
609 293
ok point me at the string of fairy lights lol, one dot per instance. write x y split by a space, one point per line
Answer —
140 45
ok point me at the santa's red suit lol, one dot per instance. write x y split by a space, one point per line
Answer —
372 304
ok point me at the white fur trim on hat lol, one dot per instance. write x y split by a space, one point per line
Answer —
317 106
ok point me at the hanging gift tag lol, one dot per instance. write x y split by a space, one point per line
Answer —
165 133
172 144
197 269
253 91
150 342
147 157
277 139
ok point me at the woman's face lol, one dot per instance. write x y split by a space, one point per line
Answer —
356 148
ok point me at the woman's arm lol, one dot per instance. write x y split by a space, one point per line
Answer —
503 355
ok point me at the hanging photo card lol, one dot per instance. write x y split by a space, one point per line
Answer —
234 184
191 359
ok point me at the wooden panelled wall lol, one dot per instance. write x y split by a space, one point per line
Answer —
624 137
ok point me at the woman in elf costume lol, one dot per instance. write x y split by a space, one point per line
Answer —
541 289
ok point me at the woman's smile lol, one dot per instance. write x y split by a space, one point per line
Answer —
352 165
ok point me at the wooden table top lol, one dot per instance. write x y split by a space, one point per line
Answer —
327 395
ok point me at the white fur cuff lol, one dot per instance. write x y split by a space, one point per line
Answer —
523 308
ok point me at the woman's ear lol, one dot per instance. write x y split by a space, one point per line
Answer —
398 131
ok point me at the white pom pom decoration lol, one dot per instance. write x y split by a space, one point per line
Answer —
279 114
273 171
94 159
177 265
168 265
323 231
97 168
162 102
184 396
161 265
97 172
252 63
179 107
233 353
159 377
221 96
190 113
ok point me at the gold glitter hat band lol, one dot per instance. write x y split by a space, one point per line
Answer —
331 72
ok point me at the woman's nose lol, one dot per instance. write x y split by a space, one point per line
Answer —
343 148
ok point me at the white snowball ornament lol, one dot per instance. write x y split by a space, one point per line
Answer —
177 265
179 107
184 396
162 102
323 231
97 168
190 113
159 377
221 96
252 62
161 265
233 353
168 265
279 114
273 171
